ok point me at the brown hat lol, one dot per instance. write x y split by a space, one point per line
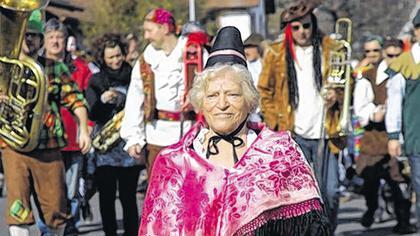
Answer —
253 40
297 10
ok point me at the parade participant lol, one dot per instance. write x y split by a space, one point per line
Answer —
374 162
55 46
404 98
253 54
226 178
132 49
372 48
106 94
290 83
42 170
156 90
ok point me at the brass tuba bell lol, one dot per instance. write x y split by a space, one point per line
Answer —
22 80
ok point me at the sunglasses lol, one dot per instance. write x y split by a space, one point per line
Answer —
27 34
372 50
305 26
392 55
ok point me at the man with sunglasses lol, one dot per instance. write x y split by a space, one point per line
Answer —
290 83
404 98
372 47
375 163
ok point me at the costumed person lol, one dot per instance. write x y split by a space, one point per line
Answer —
224 177
115 170
374 162
293 74
41 171
253 54
132 49
155 97
403 95
55 43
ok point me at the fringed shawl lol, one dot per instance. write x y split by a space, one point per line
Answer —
271 189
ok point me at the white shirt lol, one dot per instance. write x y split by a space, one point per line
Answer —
308 115
255 68
169 88
363 95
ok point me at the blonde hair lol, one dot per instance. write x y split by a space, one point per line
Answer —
240 74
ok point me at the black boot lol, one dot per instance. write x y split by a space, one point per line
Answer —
368 218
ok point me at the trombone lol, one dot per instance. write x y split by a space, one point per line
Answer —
339 78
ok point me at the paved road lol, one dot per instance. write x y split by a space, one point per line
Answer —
350 213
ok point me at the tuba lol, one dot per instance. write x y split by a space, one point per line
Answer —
21 80
339 76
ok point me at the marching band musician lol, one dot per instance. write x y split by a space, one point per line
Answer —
106 95
156 93
43 168
294 71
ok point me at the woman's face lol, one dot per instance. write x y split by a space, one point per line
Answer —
224 105
113 57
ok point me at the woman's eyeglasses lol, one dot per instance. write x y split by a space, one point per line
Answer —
372 50
305 26
392 55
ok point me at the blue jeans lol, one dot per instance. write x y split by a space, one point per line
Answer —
326 173
414 161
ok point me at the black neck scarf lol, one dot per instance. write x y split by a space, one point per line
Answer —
231 138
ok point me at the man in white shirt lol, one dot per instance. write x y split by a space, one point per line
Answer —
253 54
374 162
153 103
290 83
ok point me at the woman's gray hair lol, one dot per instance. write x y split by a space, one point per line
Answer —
240 74
54 24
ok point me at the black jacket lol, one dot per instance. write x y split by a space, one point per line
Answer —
101 82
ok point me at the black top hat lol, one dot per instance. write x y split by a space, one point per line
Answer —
227 48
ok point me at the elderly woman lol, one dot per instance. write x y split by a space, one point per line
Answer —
106 94
229 178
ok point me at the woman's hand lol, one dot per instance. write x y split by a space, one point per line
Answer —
109 96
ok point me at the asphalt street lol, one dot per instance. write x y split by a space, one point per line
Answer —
351 210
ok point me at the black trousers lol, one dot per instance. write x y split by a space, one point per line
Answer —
372 176
108 179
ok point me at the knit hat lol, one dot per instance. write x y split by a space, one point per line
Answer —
35 22
162 16
227 48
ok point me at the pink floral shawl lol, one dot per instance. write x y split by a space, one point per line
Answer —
188 195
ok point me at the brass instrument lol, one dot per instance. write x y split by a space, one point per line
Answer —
22 80
340 73
109 135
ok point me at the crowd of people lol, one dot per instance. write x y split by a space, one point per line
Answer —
245 143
